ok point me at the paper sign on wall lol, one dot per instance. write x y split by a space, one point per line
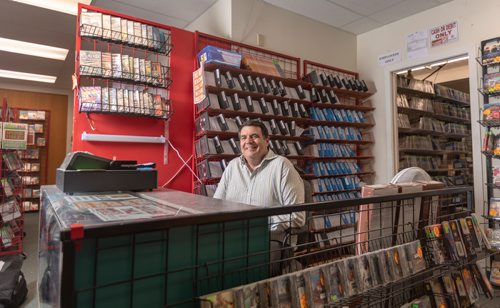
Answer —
198 86
416 45
444 34
389 58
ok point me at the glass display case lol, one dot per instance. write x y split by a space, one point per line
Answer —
145 250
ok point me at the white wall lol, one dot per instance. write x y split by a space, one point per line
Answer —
216 20
284 32
476 22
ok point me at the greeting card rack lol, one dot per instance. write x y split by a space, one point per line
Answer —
35 157
11 211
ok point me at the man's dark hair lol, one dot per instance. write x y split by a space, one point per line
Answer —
256 123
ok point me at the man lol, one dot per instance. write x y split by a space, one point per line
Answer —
262 178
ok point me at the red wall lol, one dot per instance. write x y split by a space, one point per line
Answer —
181 124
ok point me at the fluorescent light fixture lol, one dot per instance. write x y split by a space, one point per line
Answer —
429 66
64 6
122 138
27 76
33 49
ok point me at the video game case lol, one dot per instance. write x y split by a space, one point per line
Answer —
317 281
235 101
266 294
250 83
242 82
463 296
284 147
295 110
392 254
235 146
222 122
281 88
274 127
385 267
332 97
481 235
285 109
405 263
299 147
457 236
276 107
323 96
414 250
301 296
229 80
282 292
238 121
434 241
450 291
324 80
482 280
258 85
449 242
218 299
249 104
302 111
217 77
470 285
365 272
217 144
475 237
222 99
283 128
353 285
314 95
345 84
365 87
337 282
436 293
274 87
466 237
300 92
266 87
263 105
247 296
292 127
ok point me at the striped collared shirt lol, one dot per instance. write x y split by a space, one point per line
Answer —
274 182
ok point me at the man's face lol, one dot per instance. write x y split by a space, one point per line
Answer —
252 143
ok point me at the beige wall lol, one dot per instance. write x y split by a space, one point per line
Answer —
216 20
283 31
476 23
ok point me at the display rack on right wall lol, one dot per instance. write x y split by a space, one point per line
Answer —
489 91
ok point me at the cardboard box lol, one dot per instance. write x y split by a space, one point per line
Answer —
211 54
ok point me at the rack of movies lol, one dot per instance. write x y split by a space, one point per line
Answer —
443 261
433 123
296 131
123 66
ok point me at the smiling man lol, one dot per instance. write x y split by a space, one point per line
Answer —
262 178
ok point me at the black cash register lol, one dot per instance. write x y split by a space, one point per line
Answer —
85 172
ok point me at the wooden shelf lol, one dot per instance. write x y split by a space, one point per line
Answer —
344 141
227 135
233 113
342 124
312 176
425 132
343 106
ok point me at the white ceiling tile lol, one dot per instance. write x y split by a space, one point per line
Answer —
320 10
361 25
174 13
364 7
402 10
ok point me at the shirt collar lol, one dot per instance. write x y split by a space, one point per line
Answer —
269 156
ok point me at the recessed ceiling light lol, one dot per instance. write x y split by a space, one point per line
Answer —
27 76
65 6
32 49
